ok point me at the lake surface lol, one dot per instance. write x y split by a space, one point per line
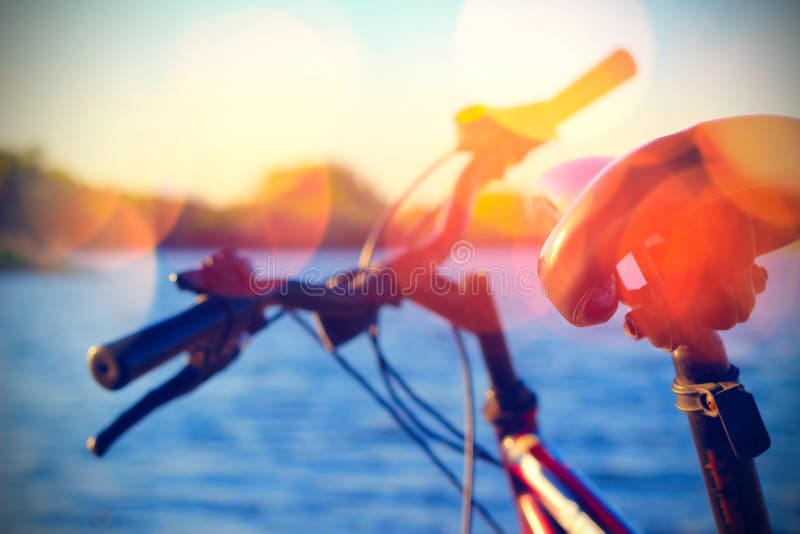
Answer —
283 441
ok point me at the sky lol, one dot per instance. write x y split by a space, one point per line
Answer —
204 98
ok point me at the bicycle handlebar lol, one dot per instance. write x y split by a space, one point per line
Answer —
503 141
497 138
521 128
117 363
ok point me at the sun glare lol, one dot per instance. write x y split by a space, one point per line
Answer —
506 55
564 182
294 213
240 93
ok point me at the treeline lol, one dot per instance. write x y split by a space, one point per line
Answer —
47 214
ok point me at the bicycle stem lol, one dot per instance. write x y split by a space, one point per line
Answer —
510 405
477 173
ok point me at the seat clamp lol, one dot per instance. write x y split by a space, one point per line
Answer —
700 397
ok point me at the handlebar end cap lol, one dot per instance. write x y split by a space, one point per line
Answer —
105 368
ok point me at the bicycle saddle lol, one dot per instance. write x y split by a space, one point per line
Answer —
693 209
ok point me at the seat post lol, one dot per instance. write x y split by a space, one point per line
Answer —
723 418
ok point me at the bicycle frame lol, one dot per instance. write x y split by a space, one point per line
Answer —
548 495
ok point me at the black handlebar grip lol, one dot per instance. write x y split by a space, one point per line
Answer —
116 364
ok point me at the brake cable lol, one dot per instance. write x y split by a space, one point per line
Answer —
376 232
387 406
469 434
391 376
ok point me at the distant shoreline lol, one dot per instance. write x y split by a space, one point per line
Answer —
12 261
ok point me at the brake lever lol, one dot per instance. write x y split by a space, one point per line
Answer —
185 381
206 359
201 366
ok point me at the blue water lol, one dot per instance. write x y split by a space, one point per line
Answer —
283 441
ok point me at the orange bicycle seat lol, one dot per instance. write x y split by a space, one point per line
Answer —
694 209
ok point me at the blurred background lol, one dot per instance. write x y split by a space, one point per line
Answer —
136 137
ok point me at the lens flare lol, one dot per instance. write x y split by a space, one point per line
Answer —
64 217
135 227
251 88
411 225
778 305
130 275
563 183
294 211
498 215
749 153
529 301
543 46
